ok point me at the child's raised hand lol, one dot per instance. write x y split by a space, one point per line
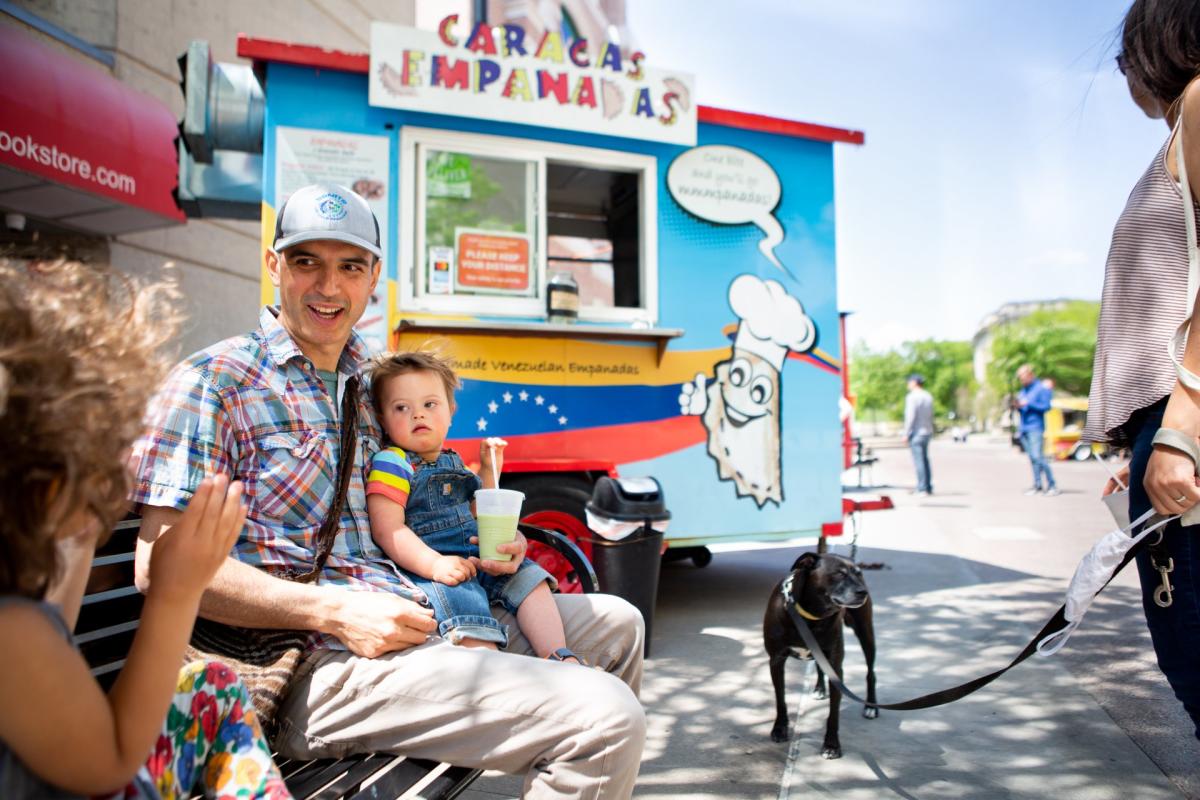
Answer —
452 570
490 445
187 555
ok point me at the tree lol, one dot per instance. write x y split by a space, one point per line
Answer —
1058 344
879 379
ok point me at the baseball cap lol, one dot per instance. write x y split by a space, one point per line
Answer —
326 211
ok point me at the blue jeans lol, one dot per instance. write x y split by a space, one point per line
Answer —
1034 443
919 444
439 511
1175 630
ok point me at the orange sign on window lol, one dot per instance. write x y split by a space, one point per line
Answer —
493 261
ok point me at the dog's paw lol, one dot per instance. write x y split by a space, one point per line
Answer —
779 733
870 712
831 752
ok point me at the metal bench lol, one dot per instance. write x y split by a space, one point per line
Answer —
864 459
109 617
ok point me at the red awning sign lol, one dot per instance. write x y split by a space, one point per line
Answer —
81 148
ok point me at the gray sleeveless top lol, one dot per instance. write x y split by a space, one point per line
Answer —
16 781
1144 300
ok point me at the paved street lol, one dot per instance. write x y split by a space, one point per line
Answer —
970 574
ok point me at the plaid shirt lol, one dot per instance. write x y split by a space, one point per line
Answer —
254 408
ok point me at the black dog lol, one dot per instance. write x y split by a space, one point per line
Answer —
829 591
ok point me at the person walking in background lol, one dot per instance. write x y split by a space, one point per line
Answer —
918 430
1136 392
1033 401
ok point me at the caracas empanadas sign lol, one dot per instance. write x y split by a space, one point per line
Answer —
500 73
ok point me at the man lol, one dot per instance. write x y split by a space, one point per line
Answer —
1033 401
264 408
918 430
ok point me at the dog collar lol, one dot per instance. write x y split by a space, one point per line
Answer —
805 614
786 588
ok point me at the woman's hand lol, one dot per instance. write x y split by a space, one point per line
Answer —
1117 482
1171 481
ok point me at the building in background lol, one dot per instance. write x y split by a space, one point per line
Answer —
100 78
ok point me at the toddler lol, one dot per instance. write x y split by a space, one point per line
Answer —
420 500
77 359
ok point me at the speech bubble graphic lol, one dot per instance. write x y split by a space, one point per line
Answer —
729 186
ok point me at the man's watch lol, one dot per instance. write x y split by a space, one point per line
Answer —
562 654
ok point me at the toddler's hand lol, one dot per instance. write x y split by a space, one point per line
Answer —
186 556
486 448
452 570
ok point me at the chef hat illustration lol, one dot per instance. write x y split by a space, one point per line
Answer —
772 322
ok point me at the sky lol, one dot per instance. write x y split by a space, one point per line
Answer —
1001 142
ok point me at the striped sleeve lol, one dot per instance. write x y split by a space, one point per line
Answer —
390 475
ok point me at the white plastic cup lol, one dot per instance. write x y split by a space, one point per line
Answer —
1118 506
497 511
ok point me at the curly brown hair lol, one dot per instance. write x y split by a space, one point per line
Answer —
79 356
389 365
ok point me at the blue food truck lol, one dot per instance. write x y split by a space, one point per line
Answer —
629 283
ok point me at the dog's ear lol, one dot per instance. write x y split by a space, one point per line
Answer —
805 562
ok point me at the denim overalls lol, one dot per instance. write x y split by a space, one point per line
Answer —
439 511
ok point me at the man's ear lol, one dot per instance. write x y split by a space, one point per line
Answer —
806 562
376 272
274 265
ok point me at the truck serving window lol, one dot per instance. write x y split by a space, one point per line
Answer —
485 221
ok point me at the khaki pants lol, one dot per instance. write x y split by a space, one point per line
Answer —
572 731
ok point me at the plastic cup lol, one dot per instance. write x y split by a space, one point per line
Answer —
497 511
1118 506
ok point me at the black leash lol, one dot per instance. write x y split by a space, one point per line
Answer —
1056 623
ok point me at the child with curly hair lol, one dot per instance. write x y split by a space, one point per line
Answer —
78 357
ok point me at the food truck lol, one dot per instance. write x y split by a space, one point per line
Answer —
629 283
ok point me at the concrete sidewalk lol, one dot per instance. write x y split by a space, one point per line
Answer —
970 575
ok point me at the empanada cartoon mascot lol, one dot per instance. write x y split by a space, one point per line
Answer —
740 406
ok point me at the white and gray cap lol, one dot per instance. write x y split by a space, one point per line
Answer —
326 211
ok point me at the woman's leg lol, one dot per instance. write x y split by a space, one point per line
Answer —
211 737
1175 630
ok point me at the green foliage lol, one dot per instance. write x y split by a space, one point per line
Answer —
480 204
1058 344
879 379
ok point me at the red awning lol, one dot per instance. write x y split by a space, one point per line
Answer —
78 147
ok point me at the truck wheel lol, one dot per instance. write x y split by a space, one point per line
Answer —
1082 452
556 503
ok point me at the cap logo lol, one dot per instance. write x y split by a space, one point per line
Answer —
332 206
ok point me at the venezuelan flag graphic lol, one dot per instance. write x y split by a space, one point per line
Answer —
551 401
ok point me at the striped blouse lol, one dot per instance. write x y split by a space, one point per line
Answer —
1144 300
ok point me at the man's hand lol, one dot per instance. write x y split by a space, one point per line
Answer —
373 623
1171 481
452 570
516 548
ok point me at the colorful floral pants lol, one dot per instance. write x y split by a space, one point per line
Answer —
211 740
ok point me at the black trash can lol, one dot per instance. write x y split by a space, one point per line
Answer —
628 566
